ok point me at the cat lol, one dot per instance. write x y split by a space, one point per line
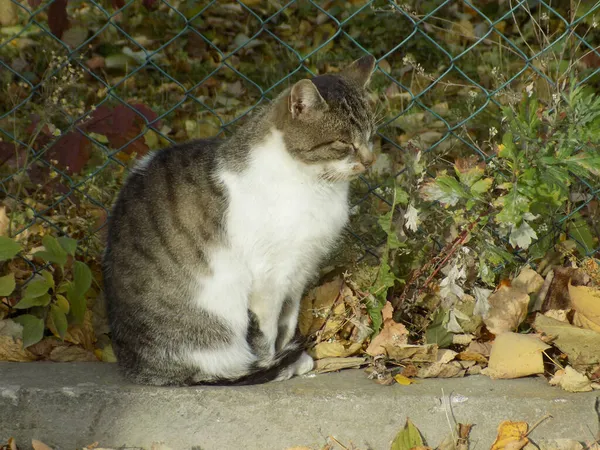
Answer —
211 243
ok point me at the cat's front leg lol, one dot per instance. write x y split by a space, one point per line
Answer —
266 308
288 321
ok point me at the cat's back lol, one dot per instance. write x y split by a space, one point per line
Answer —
169 209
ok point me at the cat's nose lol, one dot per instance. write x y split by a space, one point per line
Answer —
367 158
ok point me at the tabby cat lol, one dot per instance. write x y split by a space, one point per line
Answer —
211 243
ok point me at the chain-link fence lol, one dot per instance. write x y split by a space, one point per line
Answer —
87 86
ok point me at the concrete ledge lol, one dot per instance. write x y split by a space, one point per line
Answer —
69 405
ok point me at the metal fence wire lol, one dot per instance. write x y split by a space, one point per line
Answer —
87 86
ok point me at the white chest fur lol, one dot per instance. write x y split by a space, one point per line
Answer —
281 218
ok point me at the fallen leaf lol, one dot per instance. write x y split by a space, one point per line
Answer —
414 353
69 353
558 292
4 221
558 314
392 334
407 438
528 280
586 303
316 305
458 439
404 381
515 355
8 13
334 349
508 308
12 350
581 346
571 380
472 356
483 348
333 364
39 445
511 436
452 369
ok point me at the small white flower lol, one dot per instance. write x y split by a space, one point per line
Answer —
412 218
493 132
544 17
529 89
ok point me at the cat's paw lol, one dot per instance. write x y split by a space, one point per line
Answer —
304 364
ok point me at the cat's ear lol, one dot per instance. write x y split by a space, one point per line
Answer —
360 70
305 99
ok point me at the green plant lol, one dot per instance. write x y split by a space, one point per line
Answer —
55 297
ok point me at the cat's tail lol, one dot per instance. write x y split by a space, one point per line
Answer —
291 360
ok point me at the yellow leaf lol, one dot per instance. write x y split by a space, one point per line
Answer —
515 355
404 381
334 349
508 308
12 350
511 436
586 303
39 445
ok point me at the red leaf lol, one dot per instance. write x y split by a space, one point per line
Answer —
34 3
150 115
118 4
123 118
100 121
58 21
72 150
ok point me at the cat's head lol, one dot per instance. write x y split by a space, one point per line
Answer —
328 122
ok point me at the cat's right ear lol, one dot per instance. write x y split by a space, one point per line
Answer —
305 99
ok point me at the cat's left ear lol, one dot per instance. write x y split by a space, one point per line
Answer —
305 99
360 70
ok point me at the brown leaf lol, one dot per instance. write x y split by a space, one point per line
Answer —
82 334
95 62
508 308
414 353
43 348
69 353
58 21
558 292
118 4
39 445
316 306
472 356
12 350
392 334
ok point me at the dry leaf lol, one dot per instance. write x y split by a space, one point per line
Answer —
472 356
508 308
414 353
12 350
334 349
332 364
581 346
558 314
515 355
69 353
404 381
558 292
392 334
38 445
4 221
586 303
528 280
511 436
571 380
452 369
316 305
484 348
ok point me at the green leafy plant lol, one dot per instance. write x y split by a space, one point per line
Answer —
55 297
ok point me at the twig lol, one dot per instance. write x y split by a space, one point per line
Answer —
535 425
338 442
